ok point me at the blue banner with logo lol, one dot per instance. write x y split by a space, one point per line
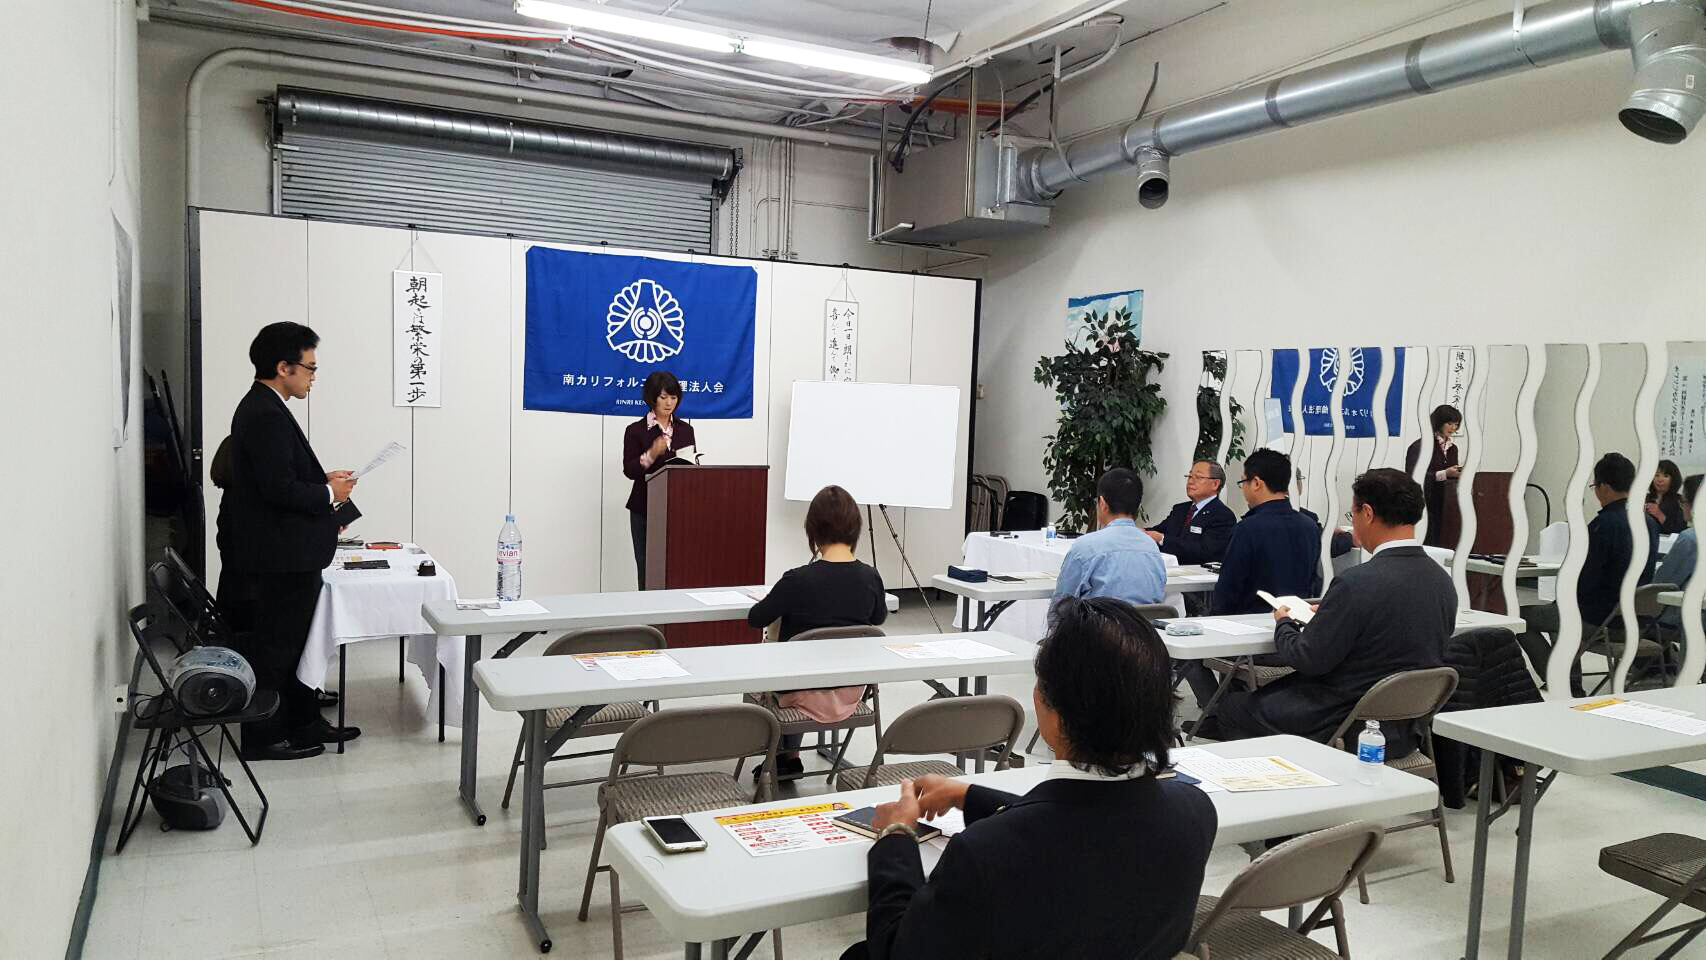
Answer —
1360 384
597 324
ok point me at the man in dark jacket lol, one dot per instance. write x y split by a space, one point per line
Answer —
278 529
1099 860
1198 530
1611 546
1274 548
1390 614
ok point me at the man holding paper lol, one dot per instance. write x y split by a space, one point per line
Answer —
1390 614
279 515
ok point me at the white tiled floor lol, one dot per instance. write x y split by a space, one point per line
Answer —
369 855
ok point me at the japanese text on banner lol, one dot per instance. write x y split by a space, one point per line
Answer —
417 311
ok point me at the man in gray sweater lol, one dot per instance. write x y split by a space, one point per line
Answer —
1389 614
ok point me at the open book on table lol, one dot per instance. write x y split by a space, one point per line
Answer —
1298 608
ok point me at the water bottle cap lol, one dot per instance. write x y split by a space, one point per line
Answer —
1371 725
509 518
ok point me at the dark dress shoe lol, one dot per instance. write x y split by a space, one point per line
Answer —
283 750
324 699
320 731
785 767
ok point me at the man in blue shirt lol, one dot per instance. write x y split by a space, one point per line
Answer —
1118 560
1678 566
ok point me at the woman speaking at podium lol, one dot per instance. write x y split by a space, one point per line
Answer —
648 444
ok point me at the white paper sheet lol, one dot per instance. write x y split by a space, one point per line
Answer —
950 823
654 666
1248 774
385 453
517 608
791 830
718 598
1235 627
960 649
1297 608
1197 578
1647 715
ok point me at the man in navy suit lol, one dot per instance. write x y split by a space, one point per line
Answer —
1198 530
278 529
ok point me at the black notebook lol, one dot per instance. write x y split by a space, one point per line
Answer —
859 821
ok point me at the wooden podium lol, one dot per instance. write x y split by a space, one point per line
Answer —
705 528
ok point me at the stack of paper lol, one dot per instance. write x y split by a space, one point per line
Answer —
1238 627
958 648
1248 774
1646 714
719 598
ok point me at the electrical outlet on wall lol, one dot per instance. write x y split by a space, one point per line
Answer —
982 391
120 698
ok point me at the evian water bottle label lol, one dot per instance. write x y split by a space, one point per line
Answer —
509 553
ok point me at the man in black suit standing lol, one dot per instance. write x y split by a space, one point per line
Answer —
1198 530
279 517
1389 614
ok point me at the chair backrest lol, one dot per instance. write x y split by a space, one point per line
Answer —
607 640
698 735
1554 542
1410 695
1156 611
1315 866
1647 598
144 627
954 725
838 633
182 595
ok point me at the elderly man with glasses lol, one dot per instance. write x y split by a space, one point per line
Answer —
1198 530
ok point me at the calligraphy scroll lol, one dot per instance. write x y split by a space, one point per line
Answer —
417 317
1682 412
1459 368
841 340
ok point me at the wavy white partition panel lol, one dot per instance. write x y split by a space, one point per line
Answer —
1693 596
1224 398
1471 444
1569 638
1425 389
1646 464
1330 472
1259 404
1387 358
1529 445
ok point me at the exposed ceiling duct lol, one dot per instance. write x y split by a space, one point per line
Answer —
313 111
1667 39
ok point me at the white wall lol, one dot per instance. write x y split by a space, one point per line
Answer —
1512 211
72 560
481 455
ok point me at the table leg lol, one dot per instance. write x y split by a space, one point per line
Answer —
1524 842
980 686
1219 691
692 951
441 703
470 731
982 613
401 643
1478 873
533 826
341 688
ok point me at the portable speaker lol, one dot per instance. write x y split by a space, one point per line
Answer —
185 797
208 681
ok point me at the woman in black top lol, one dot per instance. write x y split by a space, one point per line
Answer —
834 590
1664 499
1442 472
647 445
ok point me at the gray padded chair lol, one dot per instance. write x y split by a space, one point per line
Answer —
671 738
1316 866
1413 695
613 719
1607 639
952 725
1672 865
795 721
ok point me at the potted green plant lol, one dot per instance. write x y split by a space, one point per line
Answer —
1108 407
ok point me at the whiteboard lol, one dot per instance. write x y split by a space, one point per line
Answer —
885 443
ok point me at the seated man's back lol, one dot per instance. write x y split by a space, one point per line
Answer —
1274 548
1119 560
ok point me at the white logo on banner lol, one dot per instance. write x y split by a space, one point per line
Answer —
645 322
1329 371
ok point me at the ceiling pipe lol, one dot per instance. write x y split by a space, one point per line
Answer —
269 59
1667 39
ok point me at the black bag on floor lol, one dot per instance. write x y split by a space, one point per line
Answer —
187 797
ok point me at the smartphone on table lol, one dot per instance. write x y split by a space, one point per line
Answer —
674 834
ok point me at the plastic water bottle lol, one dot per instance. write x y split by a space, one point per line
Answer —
1048 531
1371 752
509 560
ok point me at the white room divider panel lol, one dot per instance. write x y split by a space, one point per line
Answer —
481 455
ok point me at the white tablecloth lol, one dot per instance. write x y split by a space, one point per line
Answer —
1031 552
380 604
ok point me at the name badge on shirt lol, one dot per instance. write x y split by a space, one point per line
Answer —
1196 530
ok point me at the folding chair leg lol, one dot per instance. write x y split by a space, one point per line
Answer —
1444 843
254 834
1362 886
401 643
840 754
514 765
615 915
1673 950
776 944
592 866
127 826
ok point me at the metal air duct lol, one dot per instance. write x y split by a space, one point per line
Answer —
317 112
1667 38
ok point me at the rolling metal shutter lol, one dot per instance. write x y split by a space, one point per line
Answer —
365 161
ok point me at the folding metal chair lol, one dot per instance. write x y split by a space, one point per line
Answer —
797 722
956 725
1672 865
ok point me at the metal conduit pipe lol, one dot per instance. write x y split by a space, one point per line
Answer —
249 57
315 111
1666 37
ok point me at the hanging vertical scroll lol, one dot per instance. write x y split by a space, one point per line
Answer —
417 316
841 340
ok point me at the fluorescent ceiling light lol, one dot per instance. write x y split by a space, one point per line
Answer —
664 30
826 58
635 25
